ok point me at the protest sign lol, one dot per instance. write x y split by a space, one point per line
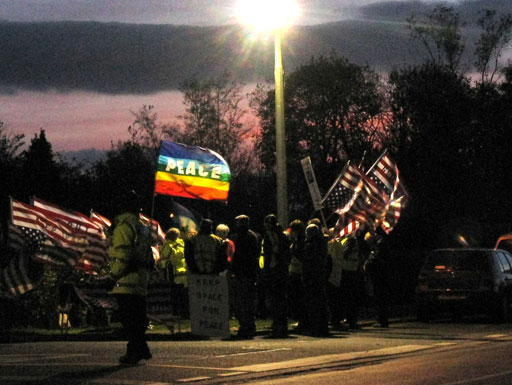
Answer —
209 305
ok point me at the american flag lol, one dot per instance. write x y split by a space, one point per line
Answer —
344 189
18 276
384 173
157 234
375 199
39 246
56 241
392 214
103 222
94 292
345 231
96 254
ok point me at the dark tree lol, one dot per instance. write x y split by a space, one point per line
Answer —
41 173
332 108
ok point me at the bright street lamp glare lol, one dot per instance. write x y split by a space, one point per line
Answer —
267 14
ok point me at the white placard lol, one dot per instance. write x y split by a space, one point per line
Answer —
312 185
209 305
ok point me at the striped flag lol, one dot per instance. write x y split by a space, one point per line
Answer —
157 234
392 214
95 255
367 199
103 222
18 276
56 242
345 231
344 189
191 172
384 173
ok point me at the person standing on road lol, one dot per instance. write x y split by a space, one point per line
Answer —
244 271
335 249
352 281
315 278
130 259
296 293
276 251
377 268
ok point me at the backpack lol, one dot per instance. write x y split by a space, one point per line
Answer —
142 245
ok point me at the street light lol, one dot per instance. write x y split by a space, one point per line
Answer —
274 15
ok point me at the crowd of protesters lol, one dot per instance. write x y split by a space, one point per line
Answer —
312 275
302 272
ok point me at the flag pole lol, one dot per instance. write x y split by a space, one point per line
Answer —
323 218
362 159
154 183
377 161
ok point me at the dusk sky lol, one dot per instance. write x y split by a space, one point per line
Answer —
77 119
195 12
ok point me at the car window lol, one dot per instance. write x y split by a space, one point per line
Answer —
500 264
509 257
506 268
460 259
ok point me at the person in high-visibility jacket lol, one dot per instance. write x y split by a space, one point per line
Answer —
174 268
172 259
204 253
130 258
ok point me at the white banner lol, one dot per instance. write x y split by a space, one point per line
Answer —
209 305
312 185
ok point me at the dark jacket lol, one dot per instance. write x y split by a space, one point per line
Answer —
276 250
247 252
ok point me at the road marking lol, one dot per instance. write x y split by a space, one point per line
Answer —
231 374
193 379
330 358
25 358
446 343
496 336
253 352
187 367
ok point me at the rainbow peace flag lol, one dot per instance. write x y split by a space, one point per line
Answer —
191 172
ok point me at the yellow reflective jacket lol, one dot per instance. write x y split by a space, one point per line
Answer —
173 252
127 262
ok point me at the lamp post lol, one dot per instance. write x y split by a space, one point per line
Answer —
281 182
275 15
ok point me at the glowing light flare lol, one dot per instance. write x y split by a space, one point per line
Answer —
462 240
267 14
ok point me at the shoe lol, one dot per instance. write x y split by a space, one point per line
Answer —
133 359
129 360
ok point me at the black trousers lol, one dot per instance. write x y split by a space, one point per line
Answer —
132 315
278 302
